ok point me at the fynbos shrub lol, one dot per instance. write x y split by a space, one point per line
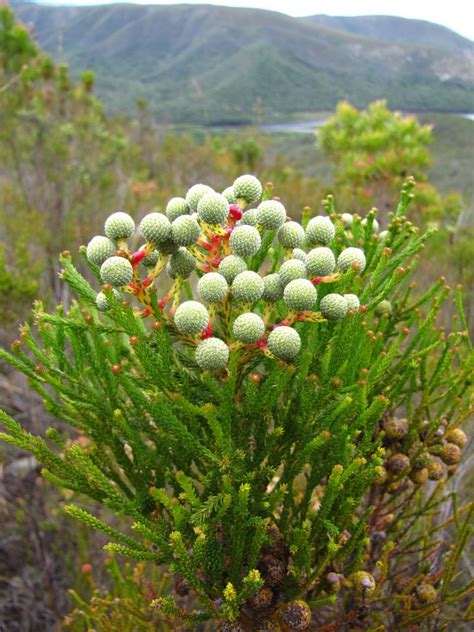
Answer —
268 403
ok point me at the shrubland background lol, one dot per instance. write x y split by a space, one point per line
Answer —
67 161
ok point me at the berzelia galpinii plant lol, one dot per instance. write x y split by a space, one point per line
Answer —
269 404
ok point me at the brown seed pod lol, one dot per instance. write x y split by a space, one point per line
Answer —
457 436
181 586
261 599
426 593
230 626
451 454
333 582
277 545
395 429
273 570
296 615
436 470
398 464
419 477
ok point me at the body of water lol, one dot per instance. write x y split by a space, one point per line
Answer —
308 127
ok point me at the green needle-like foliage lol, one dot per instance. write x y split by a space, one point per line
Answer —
266 473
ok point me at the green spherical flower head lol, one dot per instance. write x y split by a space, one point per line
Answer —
320 262
349 257
291 270
271 214
272 288
191 318
99 249
333 307
347 219
247 188
117 271
245 241
169 247
151 259
212 354
320 231
375 225
181 263
119 226
213 209
194 195
291 235
298 253
247 287
300 295
155 228
212 287
284 342
248 328
102 301
185 230
230 195
352 301
384 307
176 207
231 266
249 218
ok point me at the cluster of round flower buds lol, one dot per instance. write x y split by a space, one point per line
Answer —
427 455
240 290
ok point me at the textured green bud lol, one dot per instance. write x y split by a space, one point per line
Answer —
117 271
347 219
272 288
349 257
375 225
352 301
320 231
248 328
181 263
333 306
291 235
213 208
194 195
300 295
151 259
102 301
230 195
296 615
176 207
363 584
320 261
384 307
271 214
284 342
247 287
298 253
212 287
185 230
247 188
231 266
99 249
155 228
249 218
119 226
191 318
426 593
245 241
212 354
291 270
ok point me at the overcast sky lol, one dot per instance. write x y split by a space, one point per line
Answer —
454 14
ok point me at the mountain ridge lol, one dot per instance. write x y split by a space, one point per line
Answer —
211 64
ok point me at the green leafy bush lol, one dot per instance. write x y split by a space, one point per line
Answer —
280 441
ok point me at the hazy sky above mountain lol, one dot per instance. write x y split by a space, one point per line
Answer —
455 14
